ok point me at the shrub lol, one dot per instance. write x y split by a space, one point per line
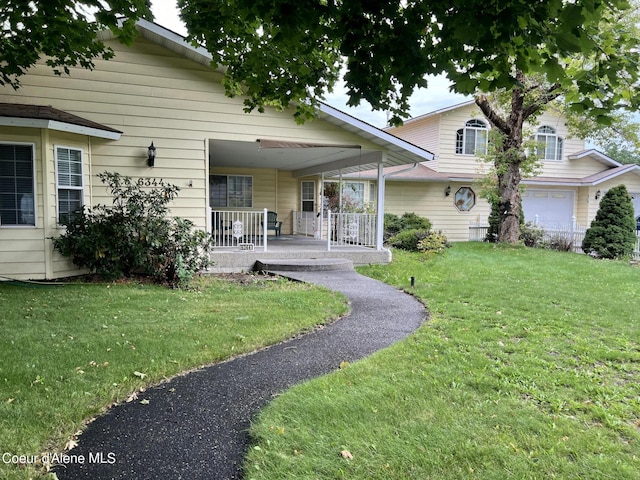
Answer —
530 235
612 233
394 224
409 239
135 236
433 244
558 242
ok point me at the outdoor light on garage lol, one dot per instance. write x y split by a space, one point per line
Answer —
598 194
151 155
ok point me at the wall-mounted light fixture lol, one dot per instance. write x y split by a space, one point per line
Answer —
447 191
598 194
151 155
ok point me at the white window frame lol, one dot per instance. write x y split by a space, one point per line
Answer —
34 184
463 138
228 176
59 186
543 134
304 199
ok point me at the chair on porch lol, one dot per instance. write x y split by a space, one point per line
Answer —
273 223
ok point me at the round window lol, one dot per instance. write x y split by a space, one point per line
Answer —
465 199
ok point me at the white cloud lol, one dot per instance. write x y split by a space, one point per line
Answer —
437 96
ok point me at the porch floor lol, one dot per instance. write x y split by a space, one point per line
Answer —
234 260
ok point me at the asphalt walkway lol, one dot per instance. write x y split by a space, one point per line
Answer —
196 425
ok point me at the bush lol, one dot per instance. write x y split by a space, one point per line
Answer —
409 239
612 233
530 235
558 242
433 244
135 236
394 224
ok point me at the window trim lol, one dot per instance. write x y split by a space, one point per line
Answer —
227 175
302 195
35 184
462 139
67 187
559 145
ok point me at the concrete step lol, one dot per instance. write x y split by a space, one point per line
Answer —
303 264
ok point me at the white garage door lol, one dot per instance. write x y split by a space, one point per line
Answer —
551 206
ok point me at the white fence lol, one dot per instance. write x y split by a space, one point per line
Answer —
570 233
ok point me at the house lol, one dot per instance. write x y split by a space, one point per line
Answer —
447 189
58 132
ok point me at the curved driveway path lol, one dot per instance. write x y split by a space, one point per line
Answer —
196 426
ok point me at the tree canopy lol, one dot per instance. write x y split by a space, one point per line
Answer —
64 31
282 51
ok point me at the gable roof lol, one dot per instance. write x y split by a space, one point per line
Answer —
43 116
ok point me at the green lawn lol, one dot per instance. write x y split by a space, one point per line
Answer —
528 369
68 351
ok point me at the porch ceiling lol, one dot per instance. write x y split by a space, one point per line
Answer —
302 160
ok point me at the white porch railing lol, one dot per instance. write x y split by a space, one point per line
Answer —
243 229
306 223
567 231
351 229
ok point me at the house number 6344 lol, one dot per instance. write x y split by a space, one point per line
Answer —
150 182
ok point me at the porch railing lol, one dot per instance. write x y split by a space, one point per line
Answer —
242 229
351 229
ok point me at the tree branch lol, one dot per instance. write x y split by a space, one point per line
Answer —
496 120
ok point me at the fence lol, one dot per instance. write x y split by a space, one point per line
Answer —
567 233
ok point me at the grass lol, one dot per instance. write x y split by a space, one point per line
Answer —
529 368
69 351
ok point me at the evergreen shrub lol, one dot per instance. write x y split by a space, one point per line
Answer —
612 233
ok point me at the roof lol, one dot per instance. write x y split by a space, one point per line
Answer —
438 112
43 116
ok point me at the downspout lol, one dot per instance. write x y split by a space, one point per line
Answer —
381 190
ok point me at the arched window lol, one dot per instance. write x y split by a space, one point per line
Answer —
472 139
549 143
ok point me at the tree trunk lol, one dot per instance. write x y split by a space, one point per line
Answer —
510 203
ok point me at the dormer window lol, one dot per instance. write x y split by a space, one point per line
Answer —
472 139
549 144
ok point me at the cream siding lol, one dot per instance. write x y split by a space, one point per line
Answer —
428 200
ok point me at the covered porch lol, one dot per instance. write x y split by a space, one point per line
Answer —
286 174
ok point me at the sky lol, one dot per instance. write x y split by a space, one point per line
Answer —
423 101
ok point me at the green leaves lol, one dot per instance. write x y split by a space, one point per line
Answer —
62 31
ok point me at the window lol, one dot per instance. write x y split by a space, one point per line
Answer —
308 196
465 199
472 139
550 144
353 193
233 191
17 206
70 181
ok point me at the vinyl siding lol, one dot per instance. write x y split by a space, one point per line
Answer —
428 200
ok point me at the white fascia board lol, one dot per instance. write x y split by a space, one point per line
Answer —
633 169
374 131
59 126
599 156
176 39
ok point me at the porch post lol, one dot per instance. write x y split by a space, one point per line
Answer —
381 187
264 228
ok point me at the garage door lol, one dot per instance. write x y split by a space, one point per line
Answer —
551 206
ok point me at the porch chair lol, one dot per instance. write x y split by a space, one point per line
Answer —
273 223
